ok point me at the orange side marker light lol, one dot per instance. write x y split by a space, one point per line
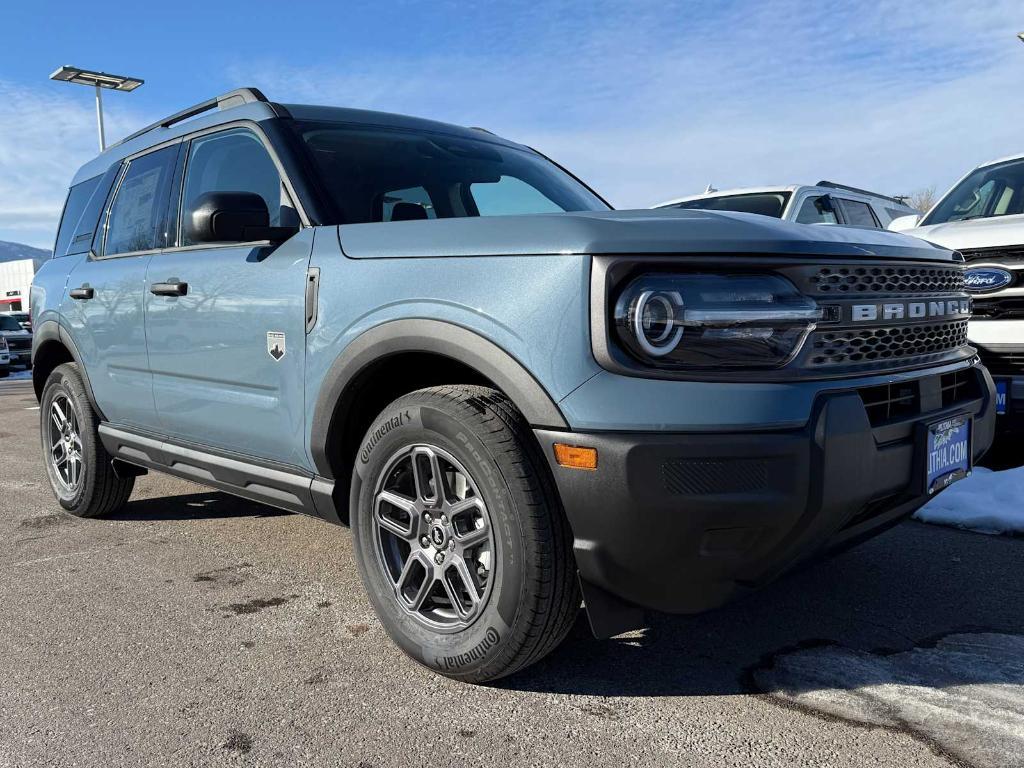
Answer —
576 456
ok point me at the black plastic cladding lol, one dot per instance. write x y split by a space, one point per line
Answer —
931 342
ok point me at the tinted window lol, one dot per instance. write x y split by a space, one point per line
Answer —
78 198
8 323
858 214
232 161
409 202
996 190
817 210
508 196
359 167
136 216
767 204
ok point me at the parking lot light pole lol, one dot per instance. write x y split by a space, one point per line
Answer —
1020 36
99 81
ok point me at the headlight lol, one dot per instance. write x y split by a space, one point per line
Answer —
712 321
3 344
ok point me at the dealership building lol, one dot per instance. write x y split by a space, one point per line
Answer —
15 281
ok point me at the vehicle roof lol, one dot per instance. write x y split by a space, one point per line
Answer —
842 191
260 111
1006 159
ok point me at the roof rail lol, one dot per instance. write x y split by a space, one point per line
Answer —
833 185
227 100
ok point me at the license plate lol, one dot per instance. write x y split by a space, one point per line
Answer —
949 452
1002 390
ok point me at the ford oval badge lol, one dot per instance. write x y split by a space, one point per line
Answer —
985 279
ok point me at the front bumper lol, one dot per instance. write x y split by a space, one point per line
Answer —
684 522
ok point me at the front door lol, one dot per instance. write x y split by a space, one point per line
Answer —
226 322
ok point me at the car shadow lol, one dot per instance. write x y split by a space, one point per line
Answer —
194 506
905 589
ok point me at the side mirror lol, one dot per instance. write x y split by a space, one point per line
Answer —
903 223
232 217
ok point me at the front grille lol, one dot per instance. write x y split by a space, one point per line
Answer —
887 403
902 343
1000 307
19 343
1003 361
999 255
906 280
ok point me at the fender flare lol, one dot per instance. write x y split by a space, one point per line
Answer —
52 331
437 337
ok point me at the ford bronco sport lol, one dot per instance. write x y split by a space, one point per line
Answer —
517 397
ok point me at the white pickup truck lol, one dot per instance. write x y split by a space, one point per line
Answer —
982 216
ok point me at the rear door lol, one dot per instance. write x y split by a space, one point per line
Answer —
103 305
228 353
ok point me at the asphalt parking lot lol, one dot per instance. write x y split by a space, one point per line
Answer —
198 629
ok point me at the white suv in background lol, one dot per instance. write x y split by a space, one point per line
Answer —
982 216
823 203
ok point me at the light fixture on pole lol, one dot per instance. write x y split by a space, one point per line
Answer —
1020 36
99 80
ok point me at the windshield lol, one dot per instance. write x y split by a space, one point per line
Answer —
374 174
763 203
8 323
996 190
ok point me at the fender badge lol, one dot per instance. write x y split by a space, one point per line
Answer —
275 344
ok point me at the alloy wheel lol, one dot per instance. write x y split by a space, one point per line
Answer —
65 444
433 537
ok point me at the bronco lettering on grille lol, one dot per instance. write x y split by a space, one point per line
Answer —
911 310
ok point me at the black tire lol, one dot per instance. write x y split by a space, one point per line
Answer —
533 596
98 490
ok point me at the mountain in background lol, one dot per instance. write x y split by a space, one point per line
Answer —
18 251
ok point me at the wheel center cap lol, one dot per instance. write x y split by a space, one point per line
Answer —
438 536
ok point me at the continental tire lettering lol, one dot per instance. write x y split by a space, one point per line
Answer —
491 639
379 433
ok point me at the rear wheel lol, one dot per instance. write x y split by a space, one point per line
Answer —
78 466
460 537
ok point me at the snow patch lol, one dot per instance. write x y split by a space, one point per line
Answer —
964 696
986 502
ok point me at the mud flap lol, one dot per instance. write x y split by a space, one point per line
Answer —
608 614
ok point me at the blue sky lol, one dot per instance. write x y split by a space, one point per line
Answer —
645 100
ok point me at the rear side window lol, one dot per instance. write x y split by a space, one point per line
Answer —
858 214
78 198
232 161
135 221
816 210
407 204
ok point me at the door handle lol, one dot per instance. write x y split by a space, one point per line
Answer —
82 293
172 287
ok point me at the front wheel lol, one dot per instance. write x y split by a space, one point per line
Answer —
78 466
459 535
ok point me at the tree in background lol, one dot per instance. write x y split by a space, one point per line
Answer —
922 199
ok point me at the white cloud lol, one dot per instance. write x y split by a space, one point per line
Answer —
653 102
44 138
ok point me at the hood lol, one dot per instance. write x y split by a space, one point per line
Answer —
664 231
993 232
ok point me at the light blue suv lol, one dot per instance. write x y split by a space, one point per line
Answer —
516 396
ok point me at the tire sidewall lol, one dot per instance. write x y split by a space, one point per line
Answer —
61 382
467 651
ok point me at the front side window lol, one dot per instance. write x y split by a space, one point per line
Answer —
135 221
232 161
817 210
373 174
996 190
858 214
766 204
